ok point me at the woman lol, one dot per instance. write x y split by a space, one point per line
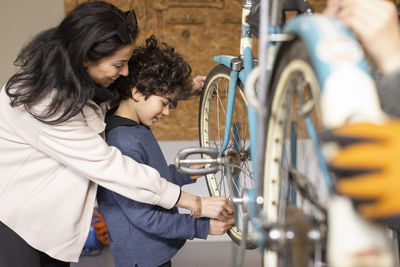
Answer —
52 154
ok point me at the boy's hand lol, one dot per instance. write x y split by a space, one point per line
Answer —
219 208
220 227
197 166
198 84
367 167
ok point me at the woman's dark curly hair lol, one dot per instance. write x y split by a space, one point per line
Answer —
51 65
156 69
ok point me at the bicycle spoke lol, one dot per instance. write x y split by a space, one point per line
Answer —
212 130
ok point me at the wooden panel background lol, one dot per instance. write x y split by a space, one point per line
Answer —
198 29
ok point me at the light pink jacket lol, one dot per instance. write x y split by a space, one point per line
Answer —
49 176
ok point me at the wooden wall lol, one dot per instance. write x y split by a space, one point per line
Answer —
198 29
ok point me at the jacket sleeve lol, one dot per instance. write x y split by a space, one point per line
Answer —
161 222
389 92
179 178
151 219
81 148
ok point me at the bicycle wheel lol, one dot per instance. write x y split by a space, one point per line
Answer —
212 114
292 176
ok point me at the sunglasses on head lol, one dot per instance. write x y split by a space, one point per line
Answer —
125 31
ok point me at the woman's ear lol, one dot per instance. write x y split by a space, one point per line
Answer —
136 95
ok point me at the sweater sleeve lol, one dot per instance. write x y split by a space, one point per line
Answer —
179 178
161 222
389 93
151 219
81 148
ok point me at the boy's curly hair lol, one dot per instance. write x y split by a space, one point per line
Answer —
156 69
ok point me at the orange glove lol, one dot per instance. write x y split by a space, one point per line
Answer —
367 167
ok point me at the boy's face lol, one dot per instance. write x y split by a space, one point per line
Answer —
152 109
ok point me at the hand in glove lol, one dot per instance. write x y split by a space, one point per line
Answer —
367 167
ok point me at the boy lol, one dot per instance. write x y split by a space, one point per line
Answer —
141 234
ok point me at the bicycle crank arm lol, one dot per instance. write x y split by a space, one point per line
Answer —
210 159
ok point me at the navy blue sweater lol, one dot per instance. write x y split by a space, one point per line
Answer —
139 233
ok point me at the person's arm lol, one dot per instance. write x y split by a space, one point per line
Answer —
80 148
376 25
180 178
161 222
213 207
389 93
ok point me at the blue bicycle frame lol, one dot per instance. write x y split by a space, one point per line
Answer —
241 73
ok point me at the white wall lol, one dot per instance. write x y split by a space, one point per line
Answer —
20 20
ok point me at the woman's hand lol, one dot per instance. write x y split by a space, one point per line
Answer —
375 23
218 208
220 227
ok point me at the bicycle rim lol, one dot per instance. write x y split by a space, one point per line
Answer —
211 132
289 147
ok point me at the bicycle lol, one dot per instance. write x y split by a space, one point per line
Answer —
300 79
235 128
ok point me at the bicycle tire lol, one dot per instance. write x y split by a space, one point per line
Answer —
211 132
293 65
